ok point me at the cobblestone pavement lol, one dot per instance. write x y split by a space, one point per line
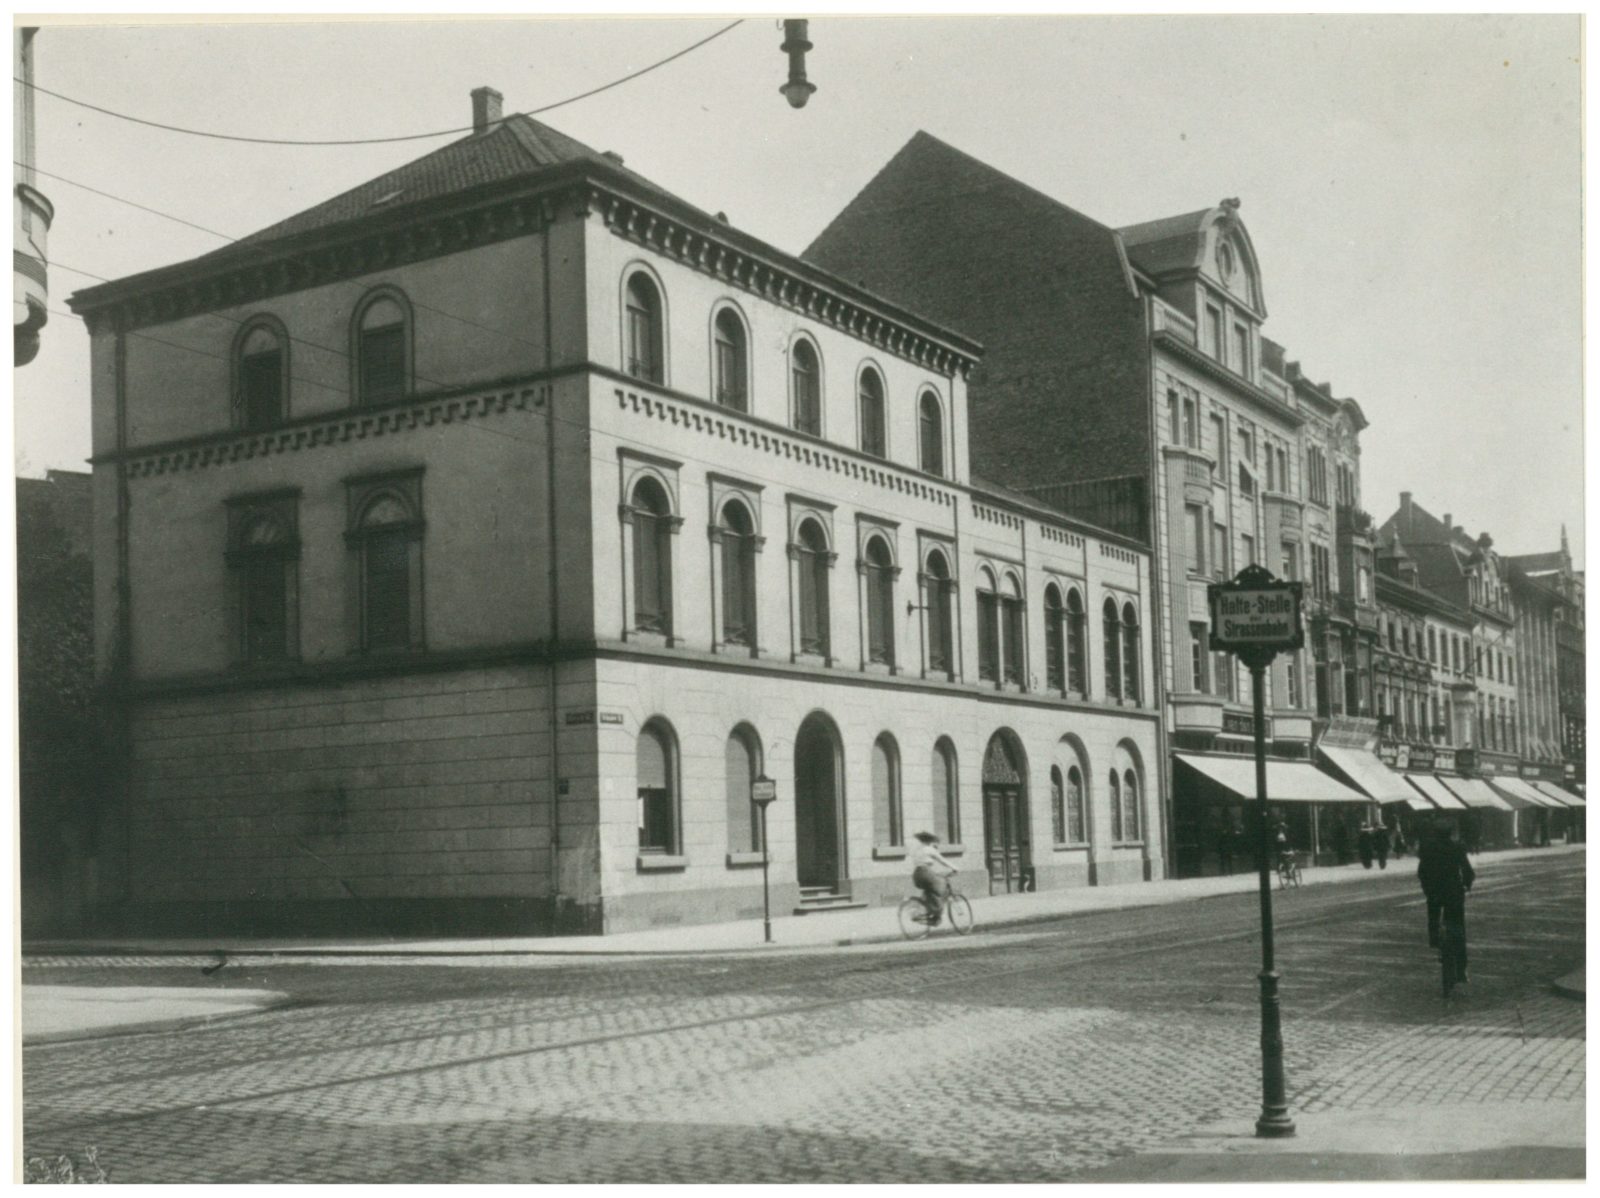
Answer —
1029 1055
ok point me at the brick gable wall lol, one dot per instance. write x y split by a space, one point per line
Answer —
1062 391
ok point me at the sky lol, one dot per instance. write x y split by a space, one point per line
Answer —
1411 185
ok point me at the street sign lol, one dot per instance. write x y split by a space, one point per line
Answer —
1255 613
763 790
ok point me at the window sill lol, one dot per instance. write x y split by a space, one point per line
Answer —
1067 846
744 860
650 636
805 658
879 667
952 850
1127 844
889 852
661 862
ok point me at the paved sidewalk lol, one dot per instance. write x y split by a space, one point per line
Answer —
830 929
51 1014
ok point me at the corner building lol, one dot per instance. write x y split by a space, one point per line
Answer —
466 545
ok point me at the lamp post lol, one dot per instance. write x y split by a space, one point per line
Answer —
1255 617
762 791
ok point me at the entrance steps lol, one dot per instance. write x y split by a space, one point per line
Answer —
815 899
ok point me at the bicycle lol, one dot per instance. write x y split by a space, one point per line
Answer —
1452 951
1289 870
956 911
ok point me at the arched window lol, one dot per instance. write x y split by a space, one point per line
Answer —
874 438
731 387
381 351
737 534
1077 832
388 534
988 628
1058 806
262 552
887 825
263 375
652 557
1054 657
1130 653
657 768
812 563
941 658
880 602
1113 649
930 422
946 808
643 335
1116 807
806 377
1016 671
1077 645
1130 804
741 767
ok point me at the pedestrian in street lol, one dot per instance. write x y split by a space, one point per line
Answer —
1364 846
1446 875
1380 842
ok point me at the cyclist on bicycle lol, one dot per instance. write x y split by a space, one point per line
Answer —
931 873
1446 876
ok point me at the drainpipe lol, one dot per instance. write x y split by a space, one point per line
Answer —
553 581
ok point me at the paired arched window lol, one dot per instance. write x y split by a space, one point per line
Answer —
1016 671
879 567
1077 829
731 386
930 433
644 339
657 771
1055 666
1116 807
1130 805
874 435
388 536
887 823
812 559
262 376
742 766
1112 629
736 532
382 350
805 371
1077 644
652 557
941 654
1058 805
988 627
1130 653
946 808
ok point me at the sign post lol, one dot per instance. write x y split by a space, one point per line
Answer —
762 791
1256 617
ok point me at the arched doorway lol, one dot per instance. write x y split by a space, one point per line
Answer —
819 806
1008 850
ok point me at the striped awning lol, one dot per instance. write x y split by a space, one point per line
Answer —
1475 792
1560 795
1287 781
1368 774
1521 793
1436 791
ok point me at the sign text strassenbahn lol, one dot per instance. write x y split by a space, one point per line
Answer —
1255 612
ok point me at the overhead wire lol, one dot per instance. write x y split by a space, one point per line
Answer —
371 141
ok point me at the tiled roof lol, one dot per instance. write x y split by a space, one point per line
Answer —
1537 563
1172 241
516 147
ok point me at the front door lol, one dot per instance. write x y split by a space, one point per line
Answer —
1005 831
816 806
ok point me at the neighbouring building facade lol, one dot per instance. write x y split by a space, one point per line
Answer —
468 544
1554 573
1126 379
31 212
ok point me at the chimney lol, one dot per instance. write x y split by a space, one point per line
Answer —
485 108
611 156
1445 520
1405 501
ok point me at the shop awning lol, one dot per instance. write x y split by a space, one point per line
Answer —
1287 781
1520 793
1435 790
1368 774
1475 792
1560 795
